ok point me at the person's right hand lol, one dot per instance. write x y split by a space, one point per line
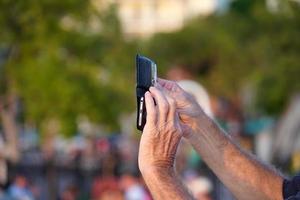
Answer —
190 112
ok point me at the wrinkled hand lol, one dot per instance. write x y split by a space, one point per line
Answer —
188 108
161 134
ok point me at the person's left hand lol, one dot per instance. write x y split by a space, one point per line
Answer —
162 132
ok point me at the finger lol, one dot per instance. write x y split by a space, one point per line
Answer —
151 109
164 90
165 83
172 108
171 86
162 103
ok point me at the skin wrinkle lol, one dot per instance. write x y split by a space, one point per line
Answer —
158 131
168 146
235 160
171 179
208 139
262 176
158 146
244 175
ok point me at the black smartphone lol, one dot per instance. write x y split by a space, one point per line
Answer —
146 76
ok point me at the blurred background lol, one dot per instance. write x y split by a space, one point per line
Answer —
67 89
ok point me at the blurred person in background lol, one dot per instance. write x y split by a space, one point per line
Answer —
176 114
217 110
185 79
20 189
133 189
70 193
200 187
106 185
106 188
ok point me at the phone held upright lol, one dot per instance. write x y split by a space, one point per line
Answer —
146 76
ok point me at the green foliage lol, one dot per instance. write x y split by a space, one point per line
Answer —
247 44
65 61
67 58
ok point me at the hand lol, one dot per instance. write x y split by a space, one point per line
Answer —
188 108
161 134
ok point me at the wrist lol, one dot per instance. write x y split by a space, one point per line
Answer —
158 171
201 125
154 166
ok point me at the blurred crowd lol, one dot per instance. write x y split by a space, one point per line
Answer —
104 166
88 167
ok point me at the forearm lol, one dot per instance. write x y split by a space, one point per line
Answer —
164 184
245 177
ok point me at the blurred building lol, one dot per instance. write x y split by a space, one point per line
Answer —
143 18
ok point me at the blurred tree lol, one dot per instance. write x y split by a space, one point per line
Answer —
247 44
64 61
67 58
